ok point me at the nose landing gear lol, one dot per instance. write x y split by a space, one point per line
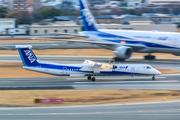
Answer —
153 78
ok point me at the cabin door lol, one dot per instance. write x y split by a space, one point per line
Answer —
64 70
132 70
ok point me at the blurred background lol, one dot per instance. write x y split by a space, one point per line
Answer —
41 17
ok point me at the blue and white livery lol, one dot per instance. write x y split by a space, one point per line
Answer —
88 68
125 42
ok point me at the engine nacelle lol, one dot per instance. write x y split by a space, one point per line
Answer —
176 54
123 52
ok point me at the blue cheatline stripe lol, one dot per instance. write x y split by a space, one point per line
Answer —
113 38
58 66
22 58
60 69
102 72
120 72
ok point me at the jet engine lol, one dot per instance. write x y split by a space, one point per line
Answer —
177 54
123 52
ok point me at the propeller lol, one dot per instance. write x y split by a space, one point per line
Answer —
114 64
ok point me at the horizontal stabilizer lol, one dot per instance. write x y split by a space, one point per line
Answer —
24 46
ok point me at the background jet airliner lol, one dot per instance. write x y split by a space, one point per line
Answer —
88 68
125 42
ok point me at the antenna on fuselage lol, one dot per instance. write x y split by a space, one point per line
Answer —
114 61
114 64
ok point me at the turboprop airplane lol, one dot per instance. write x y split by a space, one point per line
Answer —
88 68
125 42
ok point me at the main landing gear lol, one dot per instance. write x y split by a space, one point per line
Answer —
149 57
93 79
118 59
153 78
89 77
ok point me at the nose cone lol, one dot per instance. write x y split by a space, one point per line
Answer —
158 72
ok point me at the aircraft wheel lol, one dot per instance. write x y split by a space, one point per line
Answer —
153 78
89 77
93 79
149 57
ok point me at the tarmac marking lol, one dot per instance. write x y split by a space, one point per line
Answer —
83 106
91 113
15 61
174 81
80 86
62 56
147 85
170 74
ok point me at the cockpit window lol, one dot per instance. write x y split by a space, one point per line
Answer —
148 67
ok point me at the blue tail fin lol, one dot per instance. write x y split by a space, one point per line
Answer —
27 56
87 17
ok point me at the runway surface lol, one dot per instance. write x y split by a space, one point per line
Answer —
165 82
137 111
144 111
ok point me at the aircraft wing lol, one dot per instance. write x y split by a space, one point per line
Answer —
76 35
137 46
110 44
97 67
100 65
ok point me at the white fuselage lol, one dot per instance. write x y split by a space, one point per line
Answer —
154 41
87 69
